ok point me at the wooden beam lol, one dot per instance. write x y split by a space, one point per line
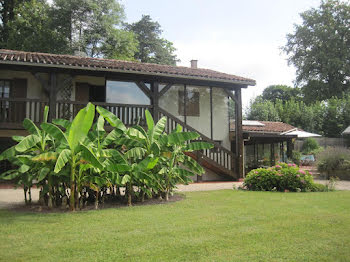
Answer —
155 101
144 88
229 93
44 83
239 133
165 89
211 113
52 96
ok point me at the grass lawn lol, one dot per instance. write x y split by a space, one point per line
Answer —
222 225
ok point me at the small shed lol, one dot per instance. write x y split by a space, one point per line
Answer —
346 132
265 142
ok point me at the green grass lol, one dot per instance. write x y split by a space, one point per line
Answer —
208 226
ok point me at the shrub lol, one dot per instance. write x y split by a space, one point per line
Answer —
280 177
310 145
296 157
333 159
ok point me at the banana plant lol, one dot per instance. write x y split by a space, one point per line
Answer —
177 167
71 147
24 153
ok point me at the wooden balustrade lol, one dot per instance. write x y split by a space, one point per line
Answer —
14 110
218 155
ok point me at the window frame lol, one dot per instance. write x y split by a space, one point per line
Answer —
186 108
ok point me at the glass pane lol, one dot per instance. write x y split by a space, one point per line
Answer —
125 93
170 101
220 117
198 109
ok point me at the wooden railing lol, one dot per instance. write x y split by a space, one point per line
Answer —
218 156
14 110
130 114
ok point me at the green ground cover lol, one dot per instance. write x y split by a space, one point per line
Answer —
207 226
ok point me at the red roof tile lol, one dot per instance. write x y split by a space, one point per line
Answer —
269 127
10 56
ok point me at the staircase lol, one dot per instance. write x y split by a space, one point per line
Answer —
218 159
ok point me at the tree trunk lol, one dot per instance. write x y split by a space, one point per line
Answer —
72 189
167 195
30 195
25 195
128 189
96 200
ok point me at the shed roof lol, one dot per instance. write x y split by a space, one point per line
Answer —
101 64
263 127
346 131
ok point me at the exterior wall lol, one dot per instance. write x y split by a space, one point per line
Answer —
34 89
170 103
92 80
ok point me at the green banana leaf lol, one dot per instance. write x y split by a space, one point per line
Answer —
62 160
27 143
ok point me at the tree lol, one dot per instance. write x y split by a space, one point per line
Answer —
262 110
281 92
31 29
93 27
152 48
319 49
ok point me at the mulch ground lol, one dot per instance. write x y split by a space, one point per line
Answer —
37 208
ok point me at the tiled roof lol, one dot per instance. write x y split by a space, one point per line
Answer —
268 127
11 56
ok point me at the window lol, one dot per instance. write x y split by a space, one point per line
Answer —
5 88
125 93
192 103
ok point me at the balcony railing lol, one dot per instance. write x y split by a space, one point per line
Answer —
14 110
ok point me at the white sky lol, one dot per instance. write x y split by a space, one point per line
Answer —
231 36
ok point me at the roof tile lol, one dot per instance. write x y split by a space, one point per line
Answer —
100 63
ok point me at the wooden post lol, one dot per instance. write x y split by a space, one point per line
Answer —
211 113
239 133
155 101
52 96
289 148
199 160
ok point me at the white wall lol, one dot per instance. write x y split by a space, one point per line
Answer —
34 89
169 102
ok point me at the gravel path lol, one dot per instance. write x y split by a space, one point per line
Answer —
15 196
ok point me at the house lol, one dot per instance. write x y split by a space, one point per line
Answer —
193 97
265 142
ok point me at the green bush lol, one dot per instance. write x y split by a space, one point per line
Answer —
296 155
310 145
333 159
280 177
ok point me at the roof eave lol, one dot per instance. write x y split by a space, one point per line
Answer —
97 69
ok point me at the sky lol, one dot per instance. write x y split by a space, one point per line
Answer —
236 37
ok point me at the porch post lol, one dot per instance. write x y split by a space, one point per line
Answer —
52 96
155 101
239 133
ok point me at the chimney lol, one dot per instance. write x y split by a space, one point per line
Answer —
194 64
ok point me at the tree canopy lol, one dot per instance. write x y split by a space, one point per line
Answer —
319 49
152 47
94 27
281 92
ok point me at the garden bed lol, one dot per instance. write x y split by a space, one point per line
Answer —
36 207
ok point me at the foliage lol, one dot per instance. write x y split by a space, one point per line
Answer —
328 118
281 92
310 145
296 157
280 177
152 47
79 161
92 27
32 29
333 159
319 49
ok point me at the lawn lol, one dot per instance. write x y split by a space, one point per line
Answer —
222 225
